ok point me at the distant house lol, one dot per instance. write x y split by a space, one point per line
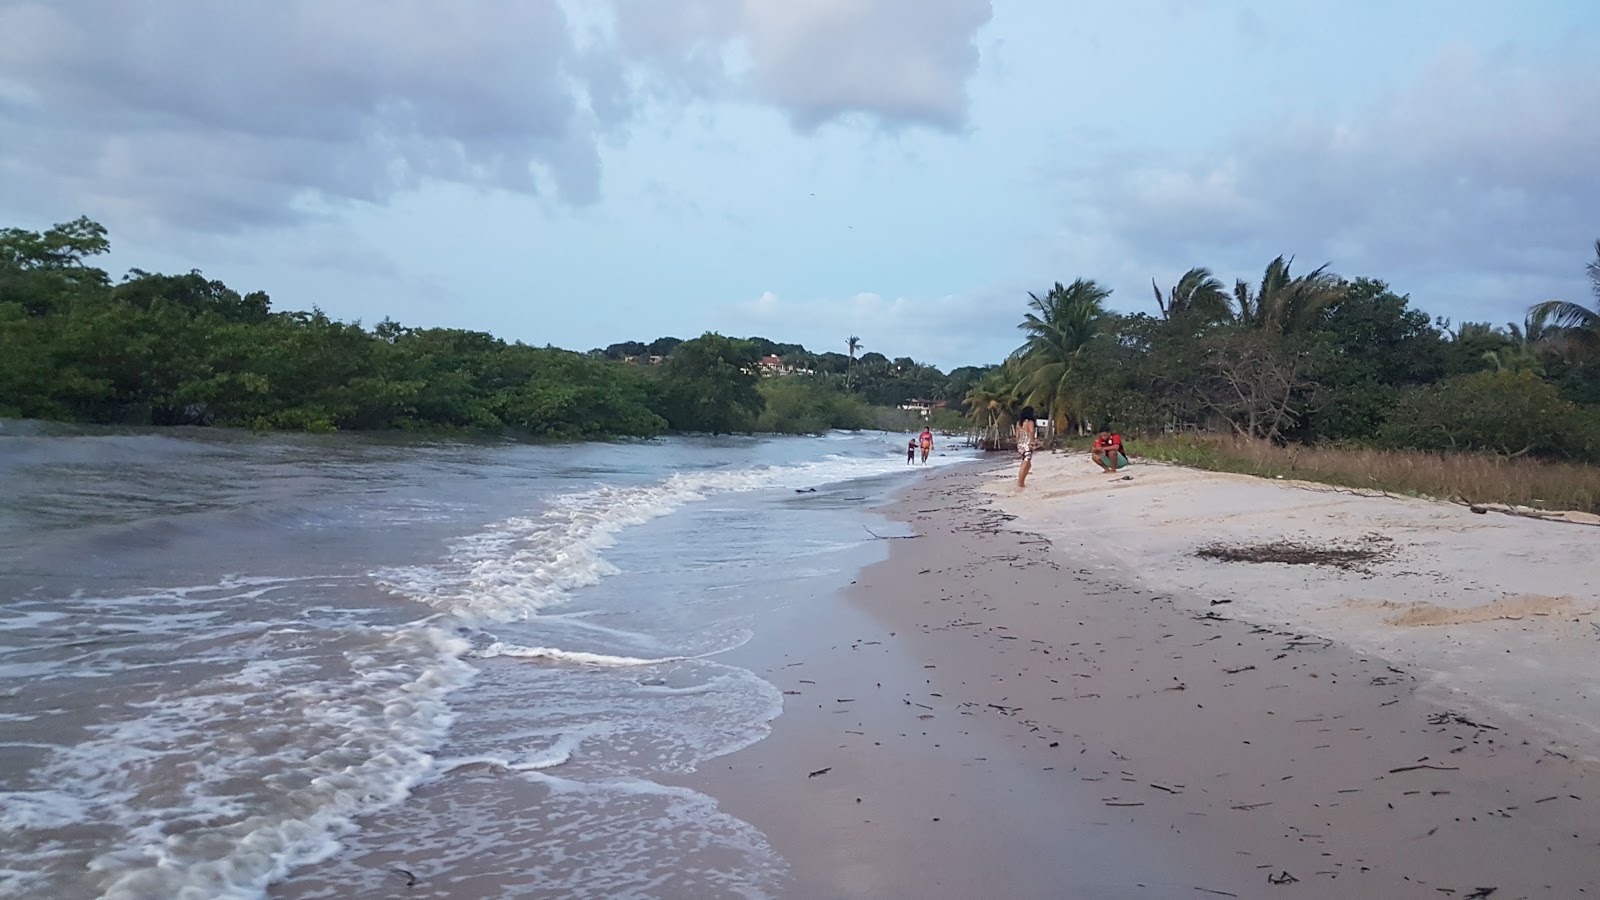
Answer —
776 365
924 406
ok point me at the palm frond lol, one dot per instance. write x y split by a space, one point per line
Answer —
1562 314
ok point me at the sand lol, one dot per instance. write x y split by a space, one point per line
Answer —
1049 695
1490 611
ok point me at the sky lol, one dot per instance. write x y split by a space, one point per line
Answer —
583 172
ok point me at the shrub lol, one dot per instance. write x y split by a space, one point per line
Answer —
798 406
1511 413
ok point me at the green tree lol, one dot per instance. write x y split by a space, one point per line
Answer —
570 396
1059 326
1286 303
1374 343
1573 326
709 384
43 271
1510 413
1198 297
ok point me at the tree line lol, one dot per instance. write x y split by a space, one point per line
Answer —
1306 358
155 349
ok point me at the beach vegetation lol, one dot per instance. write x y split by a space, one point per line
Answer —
1477 478
1060 327
1311 360
159 349
811 406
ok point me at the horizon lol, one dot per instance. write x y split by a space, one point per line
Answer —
897 170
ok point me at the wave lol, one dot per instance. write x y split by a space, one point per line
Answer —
499 648
523 565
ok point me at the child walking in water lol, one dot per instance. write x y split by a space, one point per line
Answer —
911 451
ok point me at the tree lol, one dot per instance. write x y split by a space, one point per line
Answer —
1256 382
1510 413
663 346
710 385
1285 303
1579 326
1525 344
1371 344
625 350
854 344
62 246
42 271
1198 297
993 399
1059 326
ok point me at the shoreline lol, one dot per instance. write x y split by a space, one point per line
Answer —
994 711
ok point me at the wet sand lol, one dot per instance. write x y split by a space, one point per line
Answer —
986 714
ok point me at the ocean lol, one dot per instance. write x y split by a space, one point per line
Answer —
240 666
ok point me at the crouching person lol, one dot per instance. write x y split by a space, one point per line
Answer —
1108 454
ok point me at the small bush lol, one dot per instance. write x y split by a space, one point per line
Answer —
795 406
1511 413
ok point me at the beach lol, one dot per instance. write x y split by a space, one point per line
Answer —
774 667
1047 694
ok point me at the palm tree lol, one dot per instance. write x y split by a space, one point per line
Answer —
1574 326
1286 303
853 343
1060 326
1198 295
992 400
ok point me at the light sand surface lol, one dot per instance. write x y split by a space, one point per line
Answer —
1495 613
993 711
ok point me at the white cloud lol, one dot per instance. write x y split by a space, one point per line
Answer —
1481 177
215 115
948 331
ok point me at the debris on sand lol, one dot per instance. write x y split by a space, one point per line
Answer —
1349 556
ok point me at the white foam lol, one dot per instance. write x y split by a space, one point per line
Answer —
521 566
332 750
41 809
499 648
557 754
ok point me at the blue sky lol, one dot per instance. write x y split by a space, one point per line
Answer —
578 173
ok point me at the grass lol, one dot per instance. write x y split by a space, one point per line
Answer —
1462 477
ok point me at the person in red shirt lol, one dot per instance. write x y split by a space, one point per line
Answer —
926 440
1108 453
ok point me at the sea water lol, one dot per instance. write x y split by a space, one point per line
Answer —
235 665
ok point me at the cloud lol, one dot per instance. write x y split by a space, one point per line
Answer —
948 331
899 62
1479 177
215 115
904 61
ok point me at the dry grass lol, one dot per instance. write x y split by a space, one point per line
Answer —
1463 477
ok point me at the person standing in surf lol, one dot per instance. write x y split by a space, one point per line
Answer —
911 451
1025 432
926 440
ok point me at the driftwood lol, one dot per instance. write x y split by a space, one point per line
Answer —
1424 766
